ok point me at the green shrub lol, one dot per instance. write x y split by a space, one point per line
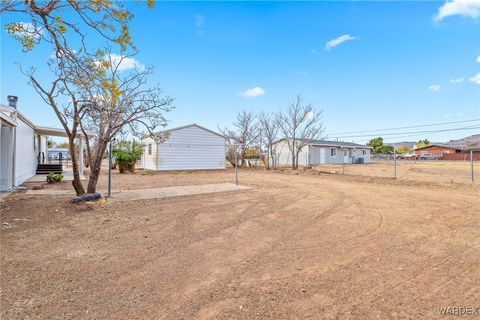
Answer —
126 154
54 178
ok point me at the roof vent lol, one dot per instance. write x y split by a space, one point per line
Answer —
12 101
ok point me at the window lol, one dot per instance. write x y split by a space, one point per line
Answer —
364 152
150 149
333 152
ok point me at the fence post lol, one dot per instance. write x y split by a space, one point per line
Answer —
394 164
471 167
343 161
110 169
236 166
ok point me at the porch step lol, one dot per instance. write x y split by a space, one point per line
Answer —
47 168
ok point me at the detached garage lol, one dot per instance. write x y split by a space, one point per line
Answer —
190 147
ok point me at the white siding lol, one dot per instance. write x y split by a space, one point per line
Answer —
283 155
310 155
26 155
6 156
188 148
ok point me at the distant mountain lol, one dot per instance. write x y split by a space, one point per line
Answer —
472 141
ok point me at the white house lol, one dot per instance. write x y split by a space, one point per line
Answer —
190 147
315 152
23 146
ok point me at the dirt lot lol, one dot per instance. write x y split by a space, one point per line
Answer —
429 171
295 246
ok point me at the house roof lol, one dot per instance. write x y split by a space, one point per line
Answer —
328 143
437 146
49 131
187 126
450 147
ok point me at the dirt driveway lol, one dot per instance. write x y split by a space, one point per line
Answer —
292 247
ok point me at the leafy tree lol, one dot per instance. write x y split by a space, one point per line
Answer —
376 144
64 144
386 149
379 147
126 154
50 143
402 149
252 153
423 143
61 23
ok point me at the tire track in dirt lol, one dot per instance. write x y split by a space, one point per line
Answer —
375 293
146 267
236 272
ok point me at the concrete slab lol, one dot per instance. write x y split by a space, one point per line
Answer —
152 193
67 176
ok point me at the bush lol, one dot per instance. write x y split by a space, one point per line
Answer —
54 178
126 154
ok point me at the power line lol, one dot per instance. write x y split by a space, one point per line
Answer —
411 132
407 127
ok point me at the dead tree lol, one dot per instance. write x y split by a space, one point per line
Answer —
245 133
269 129
299 124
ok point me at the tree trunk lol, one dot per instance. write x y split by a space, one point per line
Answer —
76 183
293 153
95 171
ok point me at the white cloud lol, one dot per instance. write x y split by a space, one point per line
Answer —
457 80
335 42
252 92
434 87
478 59
464 8
199 23
475 78
126 63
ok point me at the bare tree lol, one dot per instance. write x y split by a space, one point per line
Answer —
300 123
245 133
98 101
269 129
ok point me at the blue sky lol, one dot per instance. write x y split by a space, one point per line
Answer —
399 65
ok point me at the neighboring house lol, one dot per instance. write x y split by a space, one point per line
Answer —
23 146
448 153
317 152
190 147
57 154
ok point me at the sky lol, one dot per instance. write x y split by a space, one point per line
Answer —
367 65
